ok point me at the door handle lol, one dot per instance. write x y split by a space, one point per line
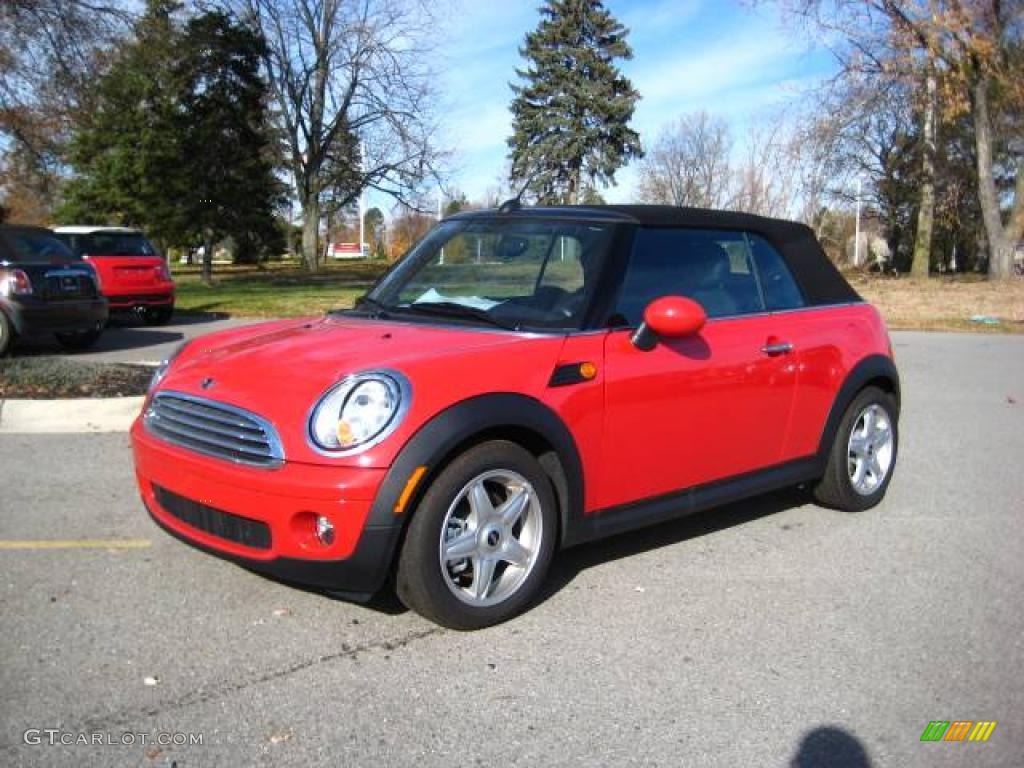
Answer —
777 348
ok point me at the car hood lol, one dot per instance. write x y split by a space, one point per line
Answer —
280 369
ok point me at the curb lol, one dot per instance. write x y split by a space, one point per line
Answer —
81 415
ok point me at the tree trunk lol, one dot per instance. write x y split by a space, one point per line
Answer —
207 276
926 213
311 231
1001 241
289 236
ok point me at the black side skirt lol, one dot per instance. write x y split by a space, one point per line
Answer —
639 514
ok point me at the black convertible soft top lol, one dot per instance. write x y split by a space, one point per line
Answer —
820 281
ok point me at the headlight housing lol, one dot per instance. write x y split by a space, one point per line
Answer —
164 366
359 411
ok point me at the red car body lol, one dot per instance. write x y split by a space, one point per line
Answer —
744 405
133 276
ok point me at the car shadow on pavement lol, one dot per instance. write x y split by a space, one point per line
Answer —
569 563
829 746
114 339
192 316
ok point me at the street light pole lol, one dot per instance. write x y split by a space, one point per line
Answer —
856 232
362 224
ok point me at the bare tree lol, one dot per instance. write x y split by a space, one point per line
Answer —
354 97
689 164
49 55
972 49
766 180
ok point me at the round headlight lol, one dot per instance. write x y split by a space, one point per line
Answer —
358 411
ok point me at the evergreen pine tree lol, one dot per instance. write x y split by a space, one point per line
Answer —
227 150
126 154
571 113
178 141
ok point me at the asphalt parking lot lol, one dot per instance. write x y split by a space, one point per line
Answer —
769 633
129 340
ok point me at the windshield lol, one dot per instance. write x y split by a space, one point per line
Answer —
110 244
509 272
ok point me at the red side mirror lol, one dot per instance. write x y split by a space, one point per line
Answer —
670 317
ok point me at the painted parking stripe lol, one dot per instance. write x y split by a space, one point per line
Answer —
78 544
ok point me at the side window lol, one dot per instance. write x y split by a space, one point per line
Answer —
780 289
711 267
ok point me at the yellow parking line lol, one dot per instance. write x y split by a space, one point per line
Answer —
78 544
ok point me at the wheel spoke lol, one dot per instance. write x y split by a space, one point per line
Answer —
515 553
874 468
858 474
461 547
483 575
882 435
480 503
869 422
512 509
859 445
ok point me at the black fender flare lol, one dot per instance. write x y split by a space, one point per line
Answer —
437 441
871 368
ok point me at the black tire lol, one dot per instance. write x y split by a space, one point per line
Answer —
837 488
158 315
443 592
6 334
77 340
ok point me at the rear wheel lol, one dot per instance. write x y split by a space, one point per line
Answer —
481 540
863 455
6 334
79 339
158 315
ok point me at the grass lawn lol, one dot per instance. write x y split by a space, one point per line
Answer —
279 289
943 303
284 289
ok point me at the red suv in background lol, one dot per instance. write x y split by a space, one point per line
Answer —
133 276
523 380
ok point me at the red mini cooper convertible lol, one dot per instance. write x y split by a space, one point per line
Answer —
522 381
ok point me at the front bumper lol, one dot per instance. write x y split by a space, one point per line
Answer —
276 501
31 315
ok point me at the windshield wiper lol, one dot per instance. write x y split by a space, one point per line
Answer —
454 309
372 307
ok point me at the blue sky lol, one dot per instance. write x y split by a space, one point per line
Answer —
717 55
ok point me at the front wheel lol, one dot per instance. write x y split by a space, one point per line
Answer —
863 455
481 540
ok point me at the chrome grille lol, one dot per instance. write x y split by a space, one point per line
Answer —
214 429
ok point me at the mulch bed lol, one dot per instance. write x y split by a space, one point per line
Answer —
52 377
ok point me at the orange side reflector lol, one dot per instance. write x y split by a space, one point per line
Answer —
588 370
410 487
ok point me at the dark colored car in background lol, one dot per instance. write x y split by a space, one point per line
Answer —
45 288
133 276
